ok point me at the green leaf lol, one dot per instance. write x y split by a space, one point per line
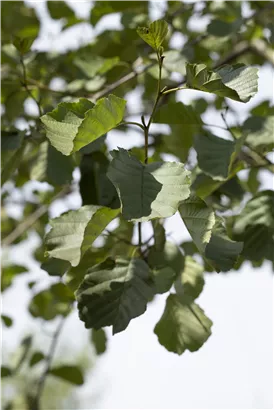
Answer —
72 126
92 65
71 374
51 302
106 115
7 320
163 279
5 372
113 293
51 166
155 34
36 358
11 140
24 44
183 325
170 256
178 113
59 10
159 235
55 267
259 132
12 164
76 274
237 82
95 187
99 340
255 226
102 8
62 124
148 191
75 231
209 234
184 122
191 280
8 274
214 155
221 28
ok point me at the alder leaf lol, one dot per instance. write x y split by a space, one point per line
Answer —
183 325
72 126
155 34
238 82
209 234
74 232
113 293
148 191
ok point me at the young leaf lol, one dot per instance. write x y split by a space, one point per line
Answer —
113 293
237 82
214 155
99 340
74 232
183 326
72 126
148 191
209 234
191 281
71 374
155 34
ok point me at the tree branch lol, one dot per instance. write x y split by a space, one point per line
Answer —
27 223
41 383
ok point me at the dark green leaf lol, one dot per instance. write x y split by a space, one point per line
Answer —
99 340
55 267
113 293
95 187
71 374
5 371
255 226
214 155
148 191
183 325
36 358
209 234
7 320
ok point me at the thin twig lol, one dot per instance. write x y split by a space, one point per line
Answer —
27 223
25 84
52 349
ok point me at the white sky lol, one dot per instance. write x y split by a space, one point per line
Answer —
233 370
